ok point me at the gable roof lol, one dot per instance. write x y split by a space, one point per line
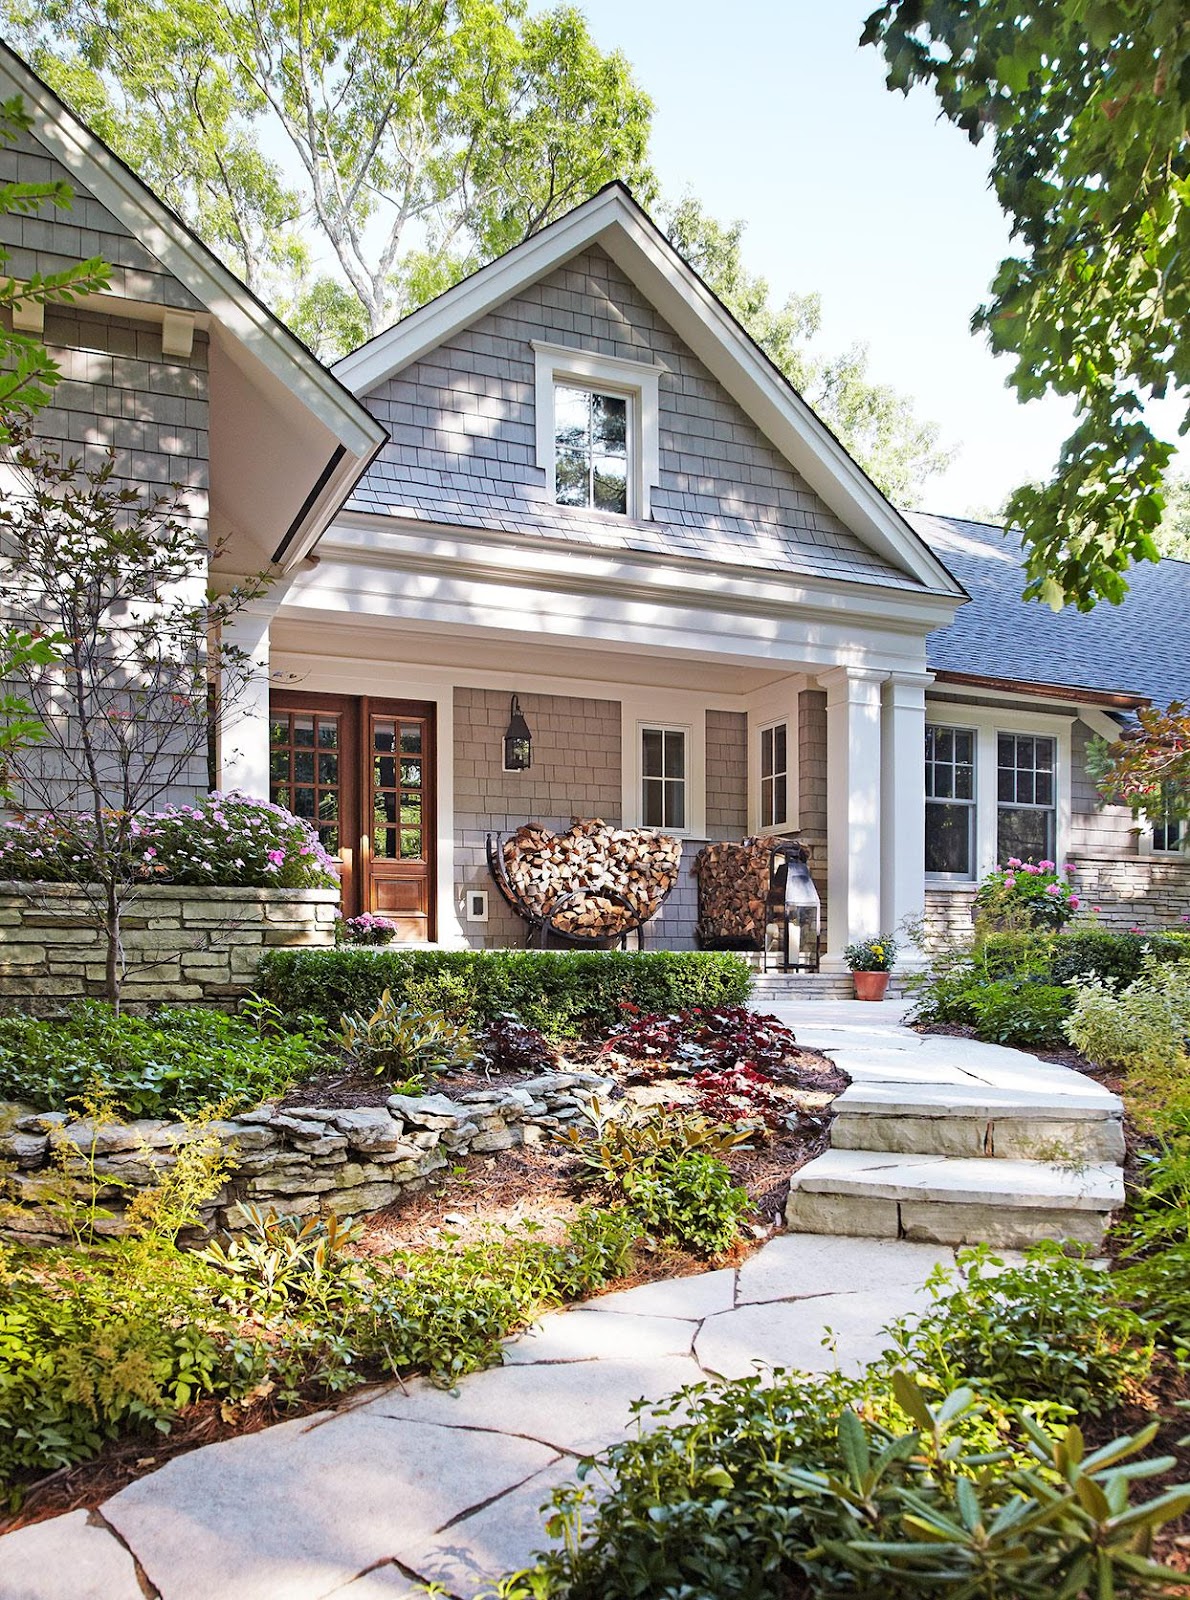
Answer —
613 221
1136 648
274 360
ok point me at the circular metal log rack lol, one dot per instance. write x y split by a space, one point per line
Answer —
541 922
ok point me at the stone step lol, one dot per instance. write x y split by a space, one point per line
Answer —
1082 1124
952 1200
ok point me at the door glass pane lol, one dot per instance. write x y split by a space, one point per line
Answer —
304 769
410 844
411 774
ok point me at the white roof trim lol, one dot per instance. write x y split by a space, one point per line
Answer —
613 220
151 222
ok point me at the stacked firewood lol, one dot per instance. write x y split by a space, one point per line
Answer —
733 883
593 881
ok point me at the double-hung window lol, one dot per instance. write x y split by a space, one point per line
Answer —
950 803
1026 801
663 777
597 429
774 775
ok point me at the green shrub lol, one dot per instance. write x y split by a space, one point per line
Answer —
665 1168
1145 1025
1158 1289
1020 1011
174 1062
1078 953
785 1486
565 993
398 1042
1050 1330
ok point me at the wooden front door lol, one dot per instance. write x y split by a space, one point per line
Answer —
362 772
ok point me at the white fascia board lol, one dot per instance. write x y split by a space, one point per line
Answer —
491 605
152 223
613 220
380 541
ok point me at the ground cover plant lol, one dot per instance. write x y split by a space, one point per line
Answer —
174 1062
780 1486
107 1339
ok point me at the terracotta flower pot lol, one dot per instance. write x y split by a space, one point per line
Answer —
870 985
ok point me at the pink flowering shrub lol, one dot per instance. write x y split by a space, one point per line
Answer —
367 928
1026 894
226 840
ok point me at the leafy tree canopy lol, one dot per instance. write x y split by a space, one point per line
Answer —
418 137
874 423
1087 105
1147 768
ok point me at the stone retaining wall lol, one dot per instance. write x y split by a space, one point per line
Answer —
308 1161
182 944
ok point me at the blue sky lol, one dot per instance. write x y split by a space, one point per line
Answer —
769 112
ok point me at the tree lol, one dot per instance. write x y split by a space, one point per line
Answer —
1087 105
873 422
423 136
118 574
1147 768
1173 534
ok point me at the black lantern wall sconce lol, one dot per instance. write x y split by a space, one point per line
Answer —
518 741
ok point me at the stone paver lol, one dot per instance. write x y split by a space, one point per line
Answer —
416 1484
579 1406
586 1334
795 1265
67 1558
296 1511
790 1333
496 1539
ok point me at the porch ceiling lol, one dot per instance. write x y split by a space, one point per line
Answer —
292 636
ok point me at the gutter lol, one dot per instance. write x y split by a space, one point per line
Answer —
1118 700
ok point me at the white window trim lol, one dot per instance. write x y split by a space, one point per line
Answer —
685 715
987 722
638 381
785 823
1146 847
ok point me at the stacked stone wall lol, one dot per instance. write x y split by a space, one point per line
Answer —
198 945
307 1161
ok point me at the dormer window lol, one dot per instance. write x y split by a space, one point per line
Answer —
597 426
591 447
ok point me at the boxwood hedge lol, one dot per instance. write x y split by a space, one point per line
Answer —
1085 953
565 993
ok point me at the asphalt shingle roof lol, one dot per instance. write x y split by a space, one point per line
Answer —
1141 646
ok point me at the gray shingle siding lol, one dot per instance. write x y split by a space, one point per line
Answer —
117 390
463 447
53 238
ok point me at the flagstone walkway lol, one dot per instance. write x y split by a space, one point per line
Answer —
411 1484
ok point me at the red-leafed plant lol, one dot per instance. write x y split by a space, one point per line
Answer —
718 1040
740 1094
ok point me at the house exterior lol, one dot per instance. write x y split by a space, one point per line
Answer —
573 480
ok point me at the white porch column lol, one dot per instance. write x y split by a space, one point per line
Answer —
853 807
244 710
902 801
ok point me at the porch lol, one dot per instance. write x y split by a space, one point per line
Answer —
392 741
